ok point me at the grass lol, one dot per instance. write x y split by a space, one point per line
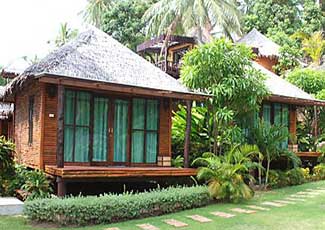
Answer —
302 215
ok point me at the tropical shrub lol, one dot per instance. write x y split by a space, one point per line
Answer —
113 208
295 176
6 164
268 138
228 175
319 172
178 161
277 179
306 173
225 71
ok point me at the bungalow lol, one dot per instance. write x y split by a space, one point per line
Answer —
279 108
93 109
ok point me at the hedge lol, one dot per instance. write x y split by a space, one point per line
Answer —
111 208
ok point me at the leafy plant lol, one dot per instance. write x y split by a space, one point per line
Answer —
6 164
111 208
178 161
314 47
226 174
36 185
319 172
268 138
295 176
225 71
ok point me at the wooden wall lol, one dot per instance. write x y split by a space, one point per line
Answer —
266 62
28 154
165 125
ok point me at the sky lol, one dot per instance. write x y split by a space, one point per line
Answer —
27 26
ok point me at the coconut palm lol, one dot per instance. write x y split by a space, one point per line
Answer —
226 174
314 47
95 10
199 17
65 34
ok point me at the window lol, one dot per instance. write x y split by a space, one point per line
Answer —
281 117
30 119
267 113
144 131
76 126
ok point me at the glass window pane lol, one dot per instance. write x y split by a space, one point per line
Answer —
138 113
277 114
285 123
137 146
120 130
81 144
267 113
151 147
100 129
68 143
152 114
69 107
83 108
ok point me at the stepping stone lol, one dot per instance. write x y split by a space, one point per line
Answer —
115 228
284 202
294 199
223 214
147 227
240 210
315 190
273 204
302 196
199 218
308 193
175 223
258 208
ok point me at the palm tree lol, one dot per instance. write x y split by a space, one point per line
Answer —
314 47
201 17
268 138
65 34
226 174
95 10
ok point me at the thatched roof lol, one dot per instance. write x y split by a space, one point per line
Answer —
6 109
265 46
96 56
282 88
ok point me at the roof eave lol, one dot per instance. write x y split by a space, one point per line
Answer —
119 88
295 100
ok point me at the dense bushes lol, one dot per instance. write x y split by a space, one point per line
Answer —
6 164
113 208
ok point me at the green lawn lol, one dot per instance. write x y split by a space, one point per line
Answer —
302 215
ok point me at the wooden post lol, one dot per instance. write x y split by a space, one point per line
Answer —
61 189
187 133
60 129
315 122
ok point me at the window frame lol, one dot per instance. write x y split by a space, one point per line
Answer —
31 104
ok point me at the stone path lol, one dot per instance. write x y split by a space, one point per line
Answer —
258 208
223 214
291 199
147 227
175 223
273 204
199 218
241 210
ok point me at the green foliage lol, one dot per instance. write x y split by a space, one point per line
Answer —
313 18
33 183
226 175
295 176
309 80
319 172
95 10
266 15
192 16
6 164
65 35
114 208
201 132
314 47
123 21
268 138
178 161
225 71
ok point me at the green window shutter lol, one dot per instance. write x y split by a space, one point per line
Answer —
285 123
267 113
152 125
100 129
277 114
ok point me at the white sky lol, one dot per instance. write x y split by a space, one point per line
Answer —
27 25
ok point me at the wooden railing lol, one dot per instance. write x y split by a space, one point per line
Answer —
172 68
